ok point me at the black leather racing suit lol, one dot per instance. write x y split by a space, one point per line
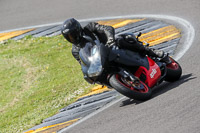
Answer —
106 35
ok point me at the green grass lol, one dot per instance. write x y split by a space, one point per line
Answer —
38 76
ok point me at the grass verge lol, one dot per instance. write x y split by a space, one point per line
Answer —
38 76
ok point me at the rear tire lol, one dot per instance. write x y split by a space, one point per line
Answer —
119 85
174 71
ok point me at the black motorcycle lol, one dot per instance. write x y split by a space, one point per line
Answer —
130 73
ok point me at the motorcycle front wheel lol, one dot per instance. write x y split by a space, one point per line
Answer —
138 91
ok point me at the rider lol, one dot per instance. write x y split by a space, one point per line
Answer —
73 32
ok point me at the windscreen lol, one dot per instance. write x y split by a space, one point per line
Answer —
85 53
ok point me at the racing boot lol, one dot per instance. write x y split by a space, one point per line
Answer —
159 53
154 52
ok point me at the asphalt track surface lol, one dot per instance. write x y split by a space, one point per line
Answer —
175 107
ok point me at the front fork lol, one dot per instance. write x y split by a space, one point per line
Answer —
128 75
130 79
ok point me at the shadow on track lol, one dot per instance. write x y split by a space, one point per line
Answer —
160 89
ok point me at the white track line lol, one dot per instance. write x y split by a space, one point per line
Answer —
91 115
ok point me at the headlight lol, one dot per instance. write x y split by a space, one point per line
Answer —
95 71
95 68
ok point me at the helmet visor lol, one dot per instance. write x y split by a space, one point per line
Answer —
73 36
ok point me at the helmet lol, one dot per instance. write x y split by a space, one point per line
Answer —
72 31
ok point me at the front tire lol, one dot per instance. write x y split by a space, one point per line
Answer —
119 84
174 71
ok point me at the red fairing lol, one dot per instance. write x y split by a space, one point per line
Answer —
152 75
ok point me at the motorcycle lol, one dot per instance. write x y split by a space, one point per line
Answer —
130 73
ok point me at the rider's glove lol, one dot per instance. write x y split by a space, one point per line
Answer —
110 42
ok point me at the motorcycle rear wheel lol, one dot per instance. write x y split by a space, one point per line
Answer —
121 85
174 71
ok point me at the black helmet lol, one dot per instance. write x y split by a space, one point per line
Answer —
72 31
